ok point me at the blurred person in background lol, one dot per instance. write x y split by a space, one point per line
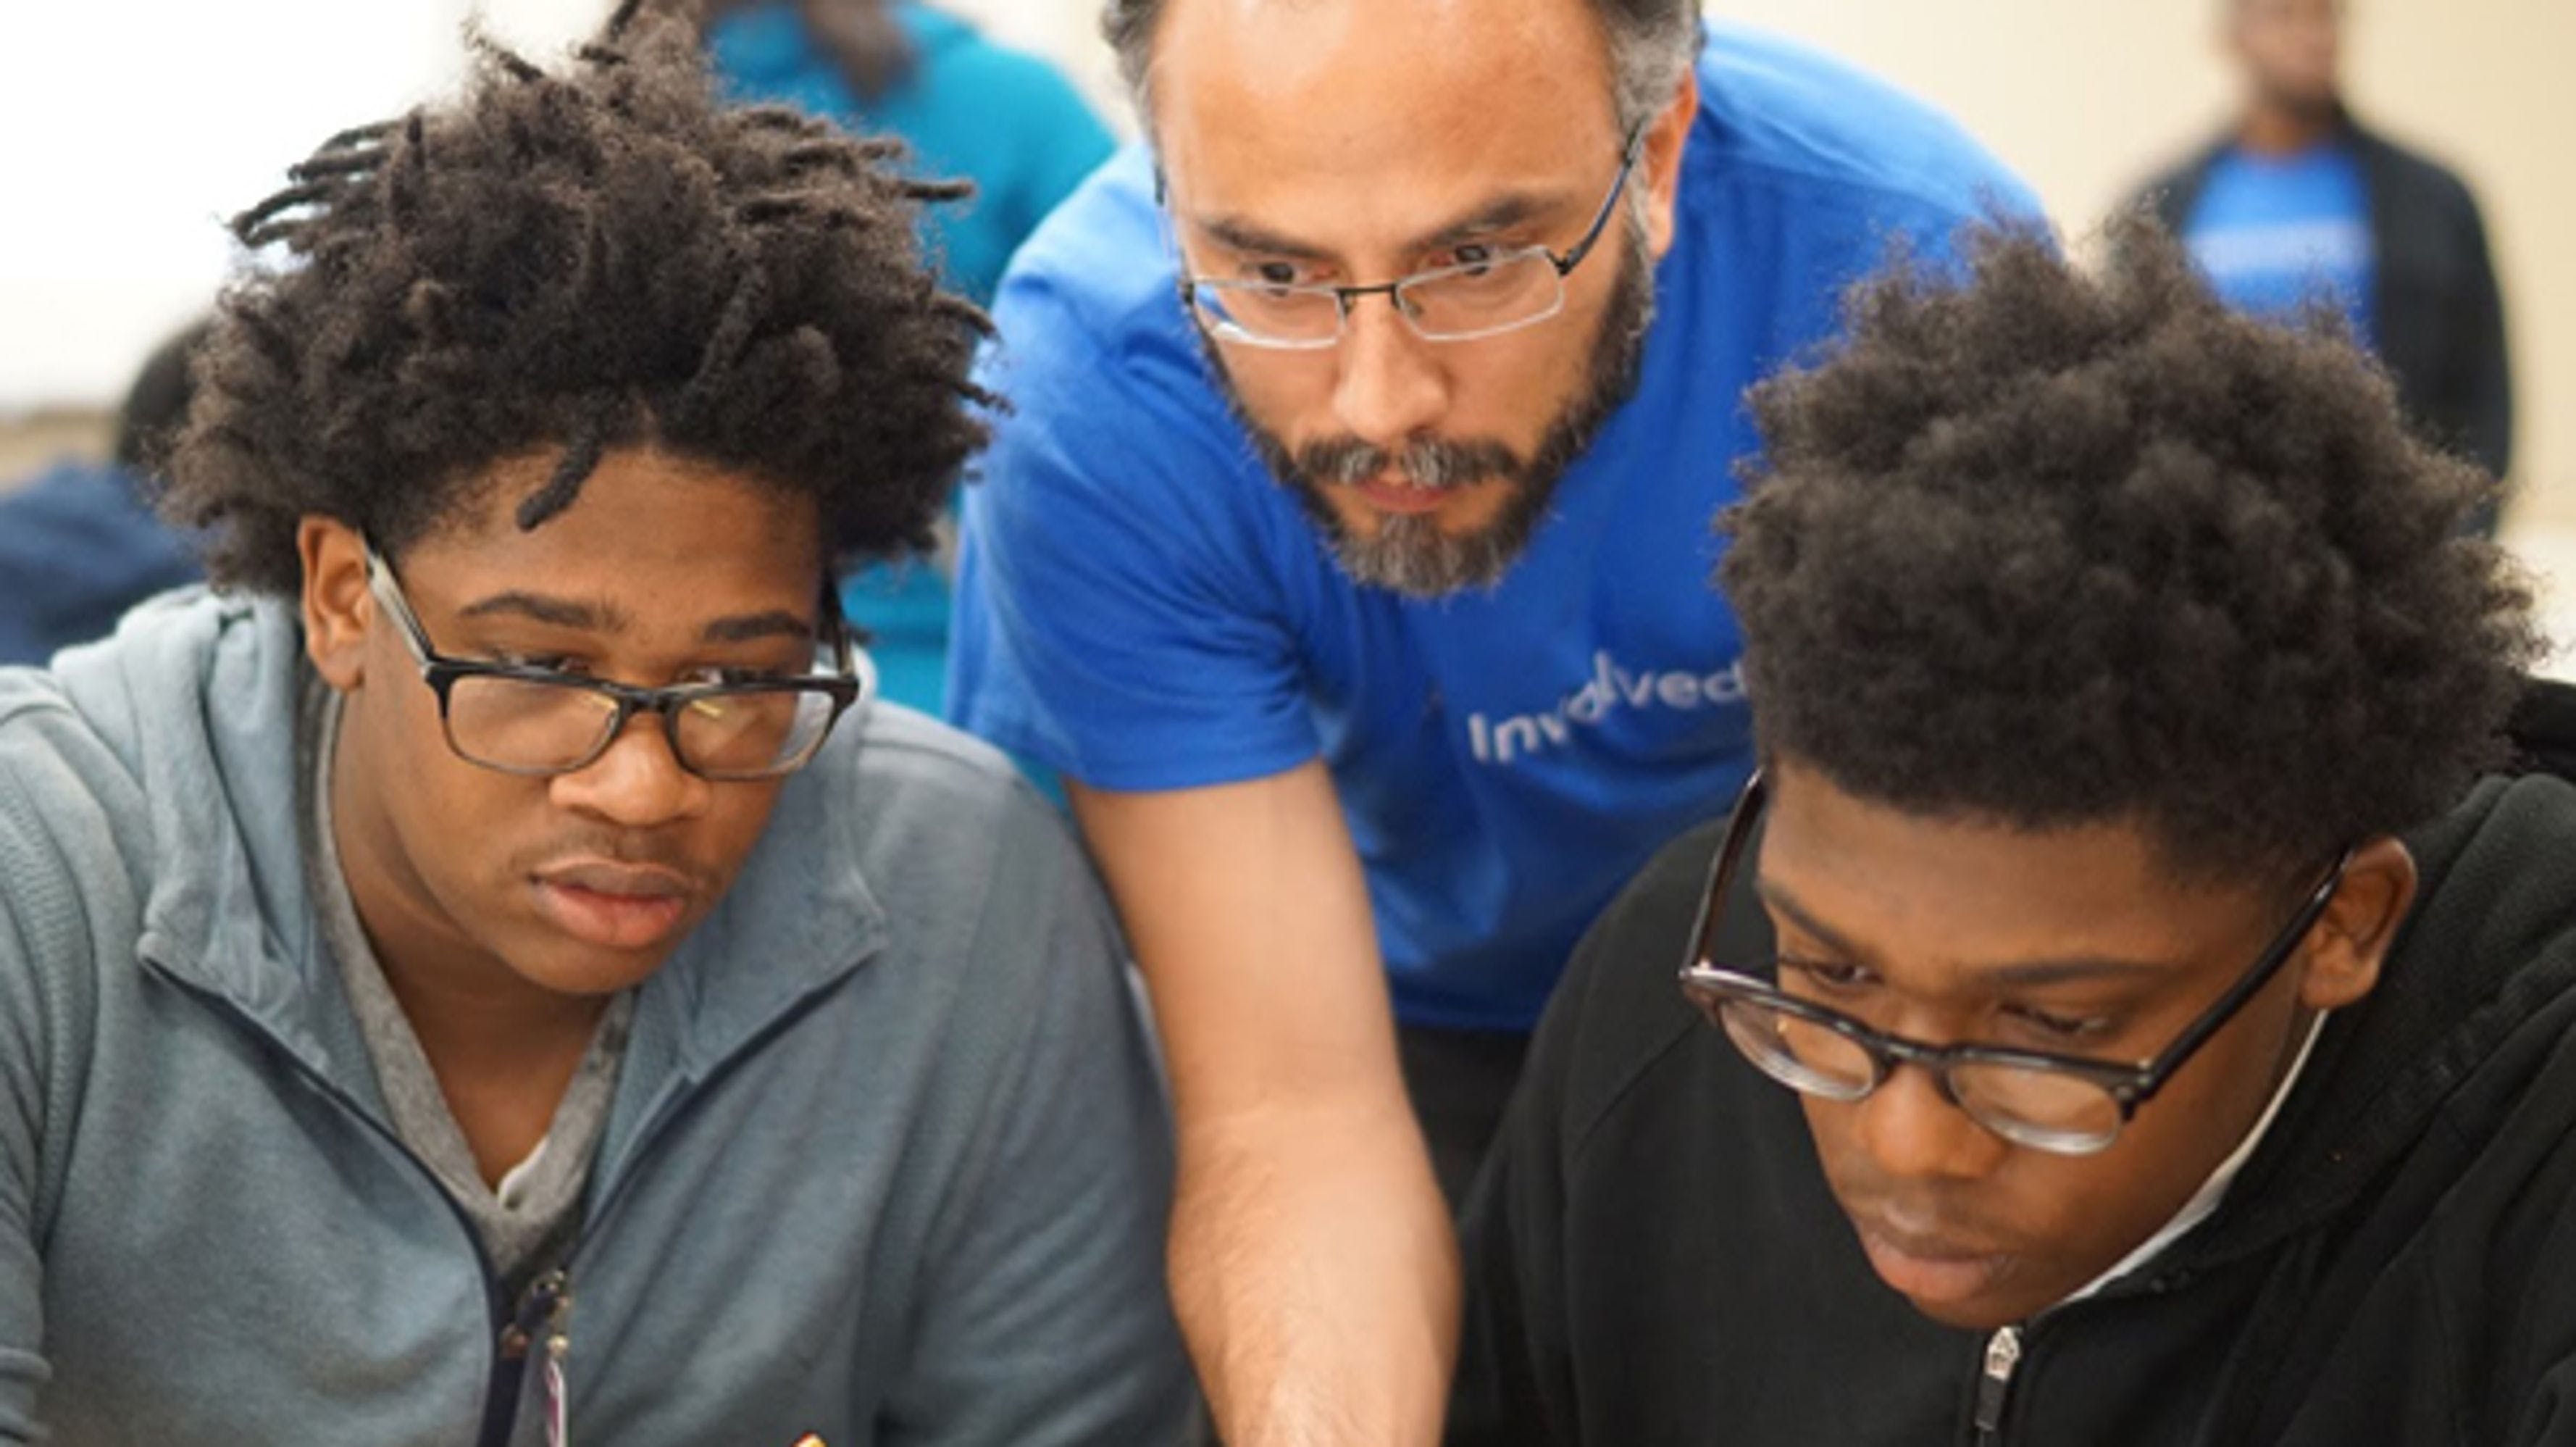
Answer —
1005 122
79 543
2300 201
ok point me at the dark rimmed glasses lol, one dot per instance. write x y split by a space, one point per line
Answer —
2066 1104
1514 288
538 722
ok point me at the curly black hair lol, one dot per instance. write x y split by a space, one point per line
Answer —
2045 548
596 258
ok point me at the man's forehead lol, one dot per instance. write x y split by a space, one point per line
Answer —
1357 77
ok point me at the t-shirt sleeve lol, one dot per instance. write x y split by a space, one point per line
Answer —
1119 615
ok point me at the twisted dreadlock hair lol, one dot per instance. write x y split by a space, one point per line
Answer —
584 260
2046 549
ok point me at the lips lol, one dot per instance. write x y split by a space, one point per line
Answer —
1927 1267
613 905
1394 495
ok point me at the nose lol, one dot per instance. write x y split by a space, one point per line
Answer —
1913 1132
1392 386
638 782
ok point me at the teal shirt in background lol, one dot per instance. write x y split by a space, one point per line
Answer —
970 110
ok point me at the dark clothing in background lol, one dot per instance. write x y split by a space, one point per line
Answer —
2440 313
78 546
1653 1255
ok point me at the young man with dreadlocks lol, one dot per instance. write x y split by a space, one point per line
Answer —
487 971
2119 1011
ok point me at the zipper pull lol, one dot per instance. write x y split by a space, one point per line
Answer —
545 1312
2003 1353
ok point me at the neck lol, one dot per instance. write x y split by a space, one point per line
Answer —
2277 128
504 1048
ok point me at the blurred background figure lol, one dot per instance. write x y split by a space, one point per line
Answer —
970 110
2300 200
78 542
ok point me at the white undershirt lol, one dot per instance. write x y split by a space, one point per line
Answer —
2213 1190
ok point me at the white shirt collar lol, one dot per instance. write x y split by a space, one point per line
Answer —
2213 1190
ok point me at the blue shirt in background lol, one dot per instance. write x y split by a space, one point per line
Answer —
1142 607
2273 233
969 109
77 548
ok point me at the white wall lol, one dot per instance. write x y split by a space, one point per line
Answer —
118 158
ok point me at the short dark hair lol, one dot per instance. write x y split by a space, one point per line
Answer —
2046 549
1652 43
582 260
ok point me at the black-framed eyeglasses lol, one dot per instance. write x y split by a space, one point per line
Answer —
1513 288
2066 1104
538 722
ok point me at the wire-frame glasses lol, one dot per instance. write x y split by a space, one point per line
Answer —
1512 289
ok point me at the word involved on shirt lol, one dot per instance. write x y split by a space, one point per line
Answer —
1506 741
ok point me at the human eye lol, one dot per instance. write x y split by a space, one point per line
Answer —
538 661
2061 1027
1827 977
1275 275
1476 258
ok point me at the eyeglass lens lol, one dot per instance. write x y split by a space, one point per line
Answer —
537 726
1451 304
2050 1109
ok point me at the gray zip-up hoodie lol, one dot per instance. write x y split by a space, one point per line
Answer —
885 1161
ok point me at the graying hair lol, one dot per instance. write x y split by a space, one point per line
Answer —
1652 44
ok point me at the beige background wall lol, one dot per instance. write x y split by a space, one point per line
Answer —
2080 95
2083 96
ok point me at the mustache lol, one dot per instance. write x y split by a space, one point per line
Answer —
1435 463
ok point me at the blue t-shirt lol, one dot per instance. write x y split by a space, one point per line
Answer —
1142 607
2275 232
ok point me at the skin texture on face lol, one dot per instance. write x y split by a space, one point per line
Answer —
2290 52
1354 142
527 895
1917 926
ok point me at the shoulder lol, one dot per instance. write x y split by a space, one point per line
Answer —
2416 178
1098 269
954 51
1827 134
2499 875
950 839
1618 1010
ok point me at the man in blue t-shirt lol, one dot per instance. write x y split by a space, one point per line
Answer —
1346 550
2299 202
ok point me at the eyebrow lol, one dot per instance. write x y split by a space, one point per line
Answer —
1499 214
608 618
2021 974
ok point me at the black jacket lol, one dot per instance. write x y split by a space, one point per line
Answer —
2441 318
1653 1256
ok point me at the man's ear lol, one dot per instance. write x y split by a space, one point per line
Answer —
2351 940
1659 165
337 607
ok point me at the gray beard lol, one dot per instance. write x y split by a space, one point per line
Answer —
1408 553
